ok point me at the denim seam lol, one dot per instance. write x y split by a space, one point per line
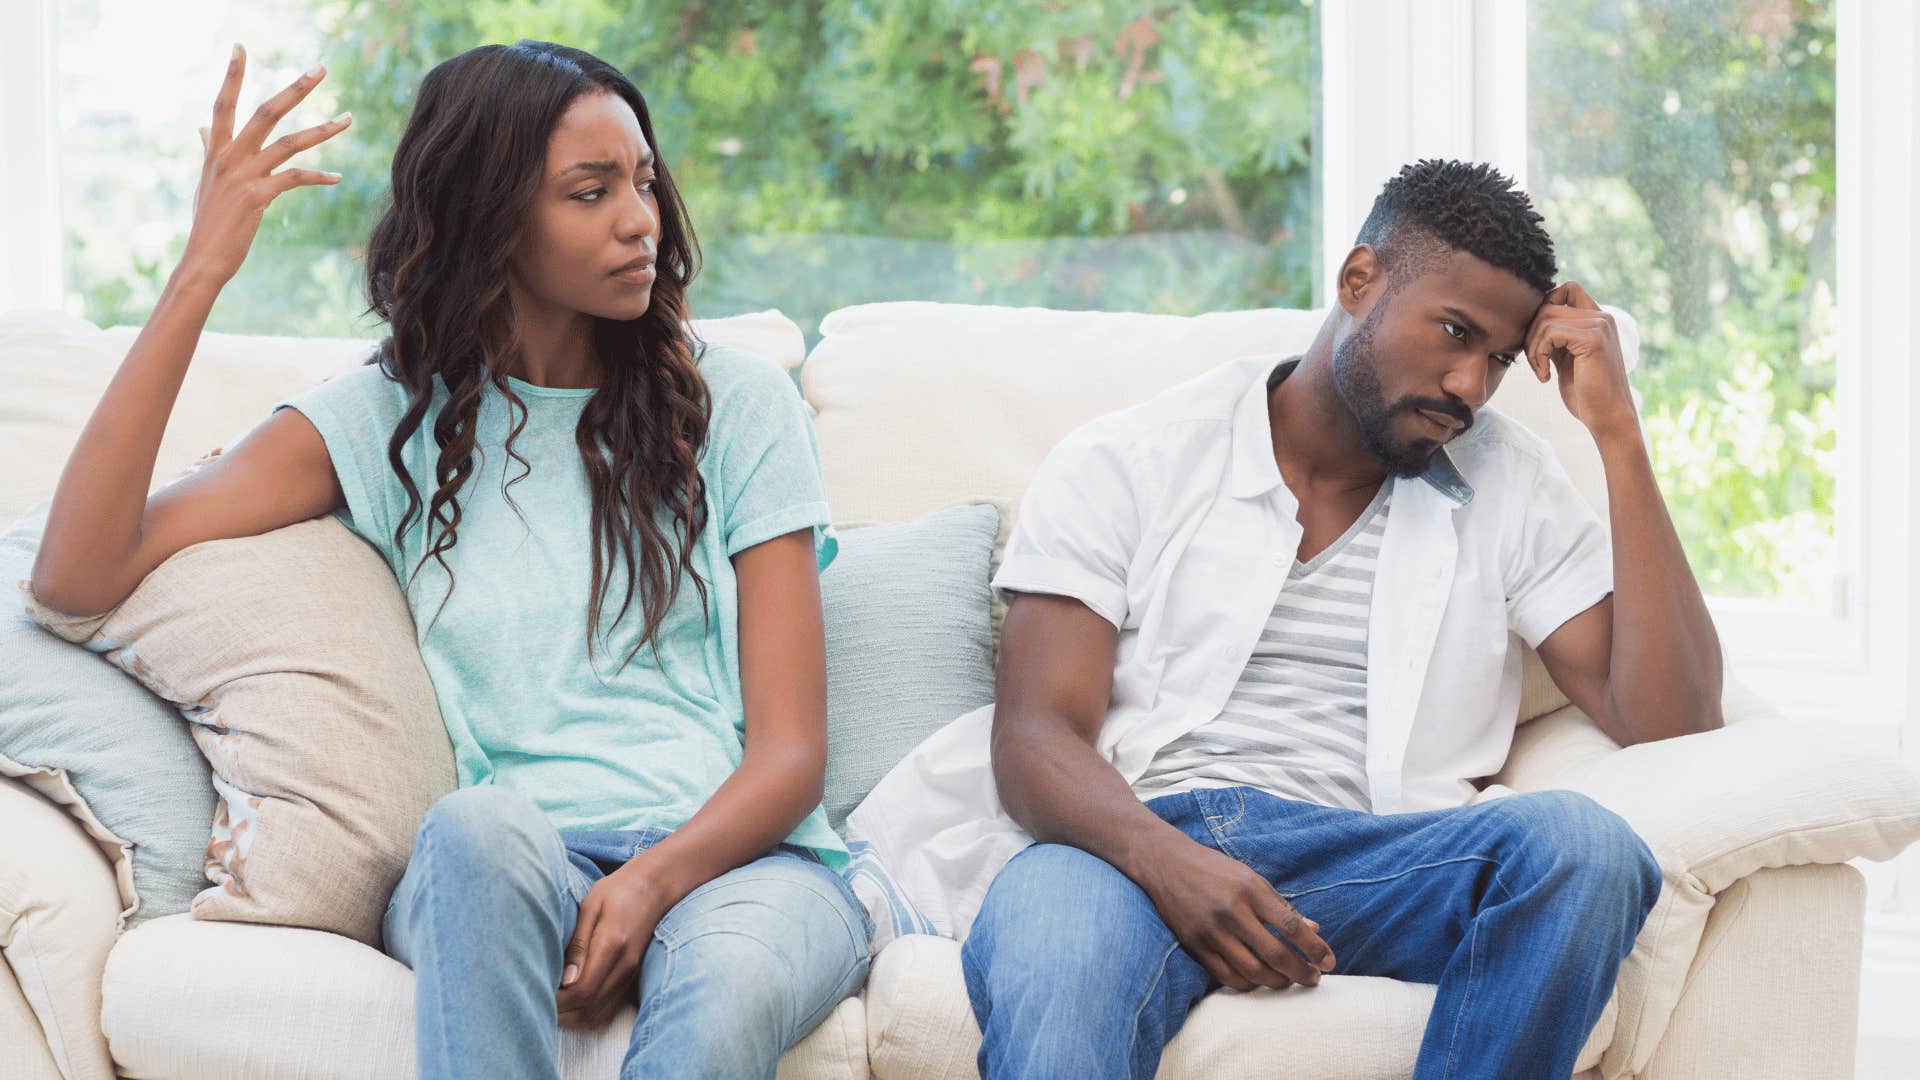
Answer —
427 841
1402 873
1218 828
1466 999
1159 973
639 1039
835 996
673 939
1239 793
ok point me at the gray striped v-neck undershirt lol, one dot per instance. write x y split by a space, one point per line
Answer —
1296 724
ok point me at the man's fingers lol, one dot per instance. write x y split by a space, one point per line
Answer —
1245 964
272 110
1558 341
1275 957
1303 932
1575 295
222 128
1222 972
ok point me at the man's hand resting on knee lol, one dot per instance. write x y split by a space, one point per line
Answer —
1230 919
1056 676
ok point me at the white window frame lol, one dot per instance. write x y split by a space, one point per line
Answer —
31 274
1404 79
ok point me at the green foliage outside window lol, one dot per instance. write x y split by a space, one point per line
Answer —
1683 154
1161 159
836 151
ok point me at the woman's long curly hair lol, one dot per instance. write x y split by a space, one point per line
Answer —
465 175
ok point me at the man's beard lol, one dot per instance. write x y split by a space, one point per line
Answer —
1356 377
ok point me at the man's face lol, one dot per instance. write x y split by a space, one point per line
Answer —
1427 354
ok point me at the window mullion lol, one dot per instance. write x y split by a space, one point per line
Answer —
1393 90
31 274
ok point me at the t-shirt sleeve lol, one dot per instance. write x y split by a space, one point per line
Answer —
356 413
766 454
1078 528
1562 560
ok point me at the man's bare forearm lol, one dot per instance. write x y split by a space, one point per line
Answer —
1062 791
1665 673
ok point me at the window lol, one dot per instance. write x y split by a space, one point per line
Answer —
830 152
1739 174
1683 154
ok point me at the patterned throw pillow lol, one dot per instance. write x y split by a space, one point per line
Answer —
291 655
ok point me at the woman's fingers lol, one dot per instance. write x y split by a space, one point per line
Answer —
290 144
288 179
221 129
272 110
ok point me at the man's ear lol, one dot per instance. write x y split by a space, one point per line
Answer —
1360 276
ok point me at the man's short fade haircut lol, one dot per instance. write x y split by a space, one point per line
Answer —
1434 208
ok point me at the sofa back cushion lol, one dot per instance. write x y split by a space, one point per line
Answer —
55 367
909 640
921 404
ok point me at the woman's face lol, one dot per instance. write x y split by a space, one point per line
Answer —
595 223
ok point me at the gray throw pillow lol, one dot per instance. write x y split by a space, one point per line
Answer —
126 751
909 641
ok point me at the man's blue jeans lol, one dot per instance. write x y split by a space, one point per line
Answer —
1520 908
738 971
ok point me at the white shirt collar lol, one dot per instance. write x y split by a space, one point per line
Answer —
1254 473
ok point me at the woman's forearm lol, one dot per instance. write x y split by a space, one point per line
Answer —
755 809
101 498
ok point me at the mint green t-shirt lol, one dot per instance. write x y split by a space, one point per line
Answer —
595 746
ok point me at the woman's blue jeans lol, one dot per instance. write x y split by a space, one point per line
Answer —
738 971
1521 909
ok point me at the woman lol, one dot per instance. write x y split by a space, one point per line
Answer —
626 824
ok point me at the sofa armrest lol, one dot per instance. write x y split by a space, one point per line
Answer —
59 916
28 1056
1719 805
1715 807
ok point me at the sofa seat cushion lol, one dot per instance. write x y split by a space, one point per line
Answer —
187 999
1350 1027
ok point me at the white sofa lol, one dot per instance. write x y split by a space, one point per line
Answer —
1748 968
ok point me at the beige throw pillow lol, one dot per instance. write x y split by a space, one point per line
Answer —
292 655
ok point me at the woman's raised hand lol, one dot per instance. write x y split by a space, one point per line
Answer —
237 177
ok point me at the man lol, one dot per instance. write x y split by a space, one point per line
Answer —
1258 647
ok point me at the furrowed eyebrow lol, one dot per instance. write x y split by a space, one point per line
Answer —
1476 329
1464 319
598 168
